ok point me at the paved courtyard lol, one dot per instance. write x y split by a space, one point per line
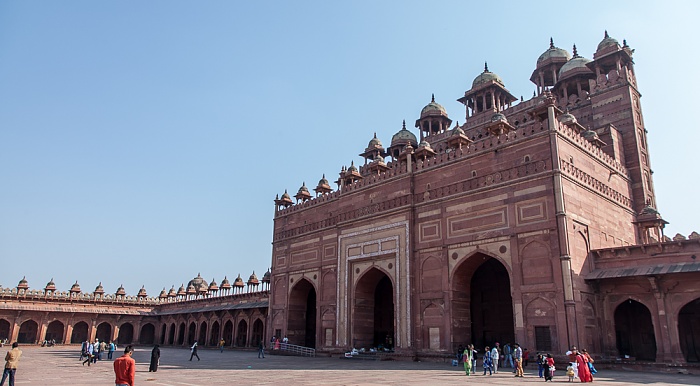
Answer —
60 366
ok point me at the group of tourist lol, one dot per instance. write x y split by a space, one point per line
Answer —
92 351
580 365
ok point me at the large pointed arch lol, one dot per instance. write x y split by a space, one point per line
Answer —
301 316
482 304
104 332
689 331
54 331
634 331
373 313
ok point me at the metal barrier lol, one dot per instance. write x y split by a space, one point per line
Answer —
292 349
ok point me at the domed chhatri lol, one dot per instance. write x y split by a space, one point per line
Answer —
403 136
75 287
120 291
433 109
142 292
239 281
253 280
198 282
555 53
607 42
498 117
567 118
99 290
374 142
50 286
487 77
23 284
576 63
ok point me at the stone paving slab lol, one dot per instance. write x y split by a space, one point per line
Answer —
60 366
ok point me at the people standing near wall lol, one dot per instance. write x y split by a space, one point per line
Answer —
103 348
548 368
155 359
584 373
508 356
11 362
571 354
284 342
193 351
518 358
111 349
495 356
261 349
467 358
222 343
488 363
125 368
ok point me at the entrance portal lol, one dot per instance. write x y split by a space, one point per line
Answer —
482 315
301 317
147 334
4 329
241 333
80 333
126 334
228 333
373 313
55 331
28 332
104 332
634 331
689 330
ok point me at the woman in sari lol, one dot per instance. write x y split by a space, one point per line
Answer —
155 359
584 373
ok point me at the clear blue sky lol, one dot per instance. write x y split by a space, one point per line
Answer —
142 142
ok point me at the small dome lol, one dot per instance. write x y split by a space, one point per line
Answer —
303 190
575 63
266 277
567 118
191 289
225 284
213 286
253 279
197 282
486 77
432 109
172 292
163 294
23 284
457 131
142 292
498 117
181 290
424 144
99 289
649 210
590 135
403 136
238 282
553 53
352 167
75 287
121 291
607 42
50 285
323 181
285 195
374 142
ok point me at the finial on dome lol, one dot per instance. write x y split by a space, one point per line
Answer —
324 175
576 51
606 34
433 98
551 43
624 42
375 134
533 93
521 98
404 125
486 67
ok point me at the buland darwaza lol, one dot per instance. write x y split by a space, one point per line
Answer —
532 221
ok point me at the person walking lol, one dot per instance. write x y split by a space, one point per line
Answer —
193 351
508 356
548 368
488 363
103 348
518 358
261 349
112 347
467 358
222 343
125 368
155 359
11 362
495 355
89 352
96 351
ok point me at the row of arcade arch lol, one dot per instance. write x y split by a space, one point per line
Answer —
483 315
240 334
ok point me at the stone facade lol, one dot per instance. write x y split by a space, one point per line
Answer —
205 312
499 229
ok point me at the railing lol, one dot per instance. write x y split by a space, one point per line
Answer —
292 349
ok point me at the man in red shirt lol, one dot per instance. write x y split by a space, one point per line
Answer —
125 368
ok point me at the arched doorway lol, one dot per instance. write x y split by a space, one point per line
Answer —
163 333
689 330
28 332
228 333
126 334
104 332
301 317
54 331
190 334
241 333
203 334
80 333
4 329
634 331
171 336
482 305
258 328
181 335
373 311
214 335
148 334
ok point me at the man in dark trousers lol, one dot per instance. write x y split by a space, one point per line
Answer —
261 349
193 351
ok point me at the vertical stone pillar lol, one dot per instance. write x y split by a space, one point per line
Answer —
115 333
137 332
661 323
68 331
92 330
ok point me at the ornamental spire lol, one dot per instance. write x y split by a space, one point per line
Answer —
551 43
486 67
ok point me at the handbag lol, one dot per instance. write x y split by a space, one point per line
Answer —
552 369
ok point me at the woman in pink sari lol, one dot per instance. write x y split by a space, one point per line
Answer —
584 373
